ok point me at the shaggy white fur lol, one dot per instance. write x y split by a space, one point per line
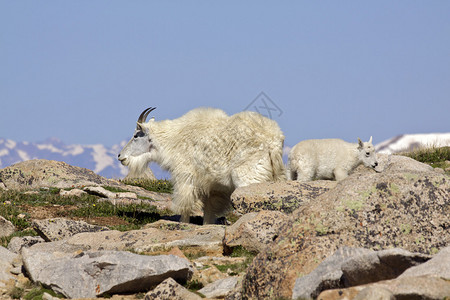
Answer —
329 159
209 155
138 167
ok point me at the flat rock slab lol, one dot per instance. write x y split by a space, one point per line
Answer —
102 192
219 288
280 196
168 235
90 274
59 228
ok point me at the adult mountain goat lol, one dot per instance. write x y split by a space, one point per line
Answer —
209 154
329 159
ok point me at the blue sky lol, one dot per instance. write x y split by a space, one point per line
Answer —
82 71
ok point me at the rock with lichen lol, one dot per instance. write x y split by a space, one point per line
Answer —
399 207
280 196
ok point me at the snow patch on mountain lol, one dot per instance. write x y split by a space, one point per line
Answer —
49 147
23 155
10 144
101 157
4 152
408 142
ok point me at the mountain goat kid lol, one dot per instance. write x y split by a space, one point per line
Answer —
209 154
329 159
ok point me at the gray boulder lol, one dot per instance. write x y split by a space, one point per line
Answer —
90 274
17 243
254 231
438 266
380 265
402 164
59 228
355 267
219 288
394 208
327 275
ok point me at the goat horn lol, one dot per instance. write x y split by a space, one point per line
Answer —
144 114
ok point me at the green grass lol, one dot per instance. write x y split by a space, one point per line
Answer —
11 212
160 185
14 206
437 157
37 293
31 291
240 251
193 285
4 240
238 268
136 214
191 254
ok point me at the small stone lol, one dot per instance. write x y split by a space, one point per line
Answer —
126 195
71 193
169 289
6 227
219 288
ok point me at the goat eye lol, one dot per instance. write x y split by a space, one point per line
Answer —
139 134
367 153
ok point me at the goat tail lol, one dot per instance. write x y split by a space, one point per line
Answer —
276 159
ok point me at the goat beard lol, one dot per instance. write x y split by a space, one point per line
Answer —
138 167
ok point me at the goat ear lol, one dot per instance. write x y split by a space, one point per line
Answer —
370 140
360 144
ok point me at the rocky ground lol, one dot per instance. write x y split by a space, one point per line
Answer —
371 236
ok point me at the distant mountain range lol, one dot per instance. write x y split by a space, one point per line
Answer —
407 142
103 160
98 158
